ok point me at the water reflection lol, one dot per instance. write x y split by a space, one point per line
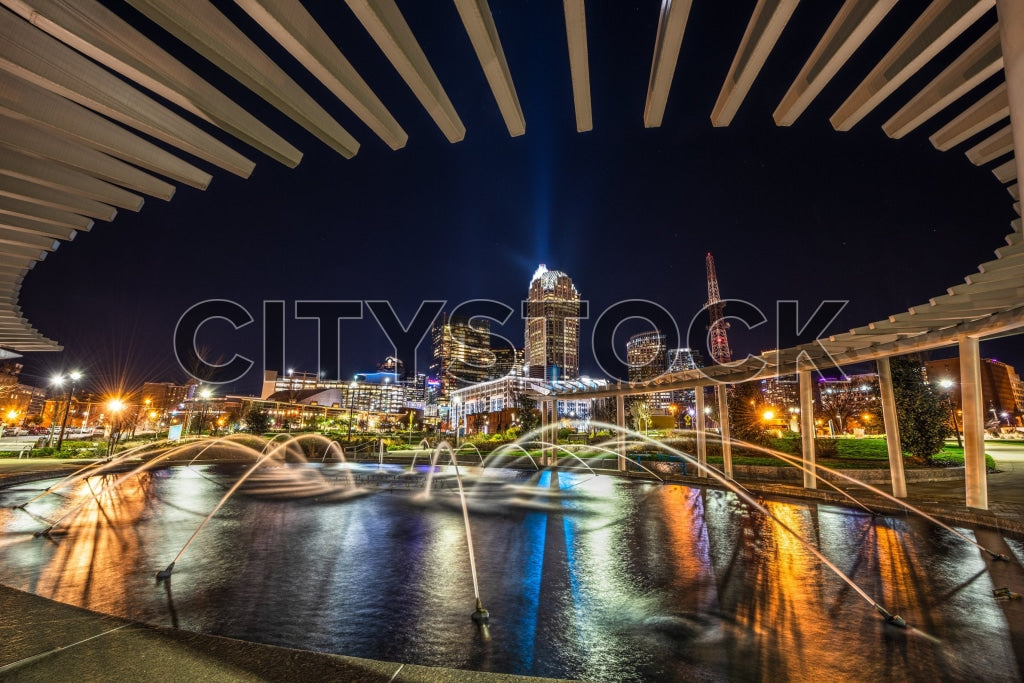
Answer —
610 580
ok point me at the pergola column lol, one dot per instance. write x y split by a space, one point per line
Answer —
543 406
620 422
1011 37
723 428
807 428
701 426
892 429
974 423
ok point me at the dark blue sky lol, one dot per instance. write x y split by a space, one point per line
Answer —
800 213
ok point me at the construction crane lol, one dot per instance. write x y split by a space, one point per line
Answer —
719 341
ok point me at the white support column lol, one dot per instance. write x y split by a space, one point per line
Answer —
807 428
620 421
892 429
1011 37
700 425
974 423
543 406
723 428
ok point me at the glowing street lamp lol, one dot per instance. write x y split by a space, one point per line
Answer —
947 385
74 376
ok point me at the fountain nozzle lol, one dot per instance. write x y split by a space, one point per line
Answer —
890 618
480 617
165 573
999 556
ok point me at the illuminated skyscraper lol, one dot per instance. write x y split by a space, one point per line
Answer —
552 326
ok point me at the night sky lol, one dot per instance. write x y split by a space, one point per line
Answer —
801 213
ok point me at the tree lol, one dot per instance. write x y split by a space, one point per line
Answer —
526 413
257 420
746 413
920 410
640 411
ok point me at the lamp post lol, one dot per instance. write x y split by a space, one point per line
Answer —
947 385
205 394
75 376
351 403
114 407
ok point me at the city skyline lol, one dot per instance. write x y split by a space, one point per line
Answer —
800 213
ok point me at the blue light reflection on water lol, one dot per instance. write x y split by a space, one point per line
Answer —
617 580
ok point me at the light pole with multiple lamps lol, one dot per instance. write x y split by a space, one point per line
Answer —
59 380
947 385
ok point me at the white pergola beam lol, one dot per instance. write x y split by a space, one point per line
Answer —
22 100
579 62
37 57
24 137
299 33
1014 191
16 188
65 219
198 24
936 28
671 27
852 25
32 226
988 111
98 33
19 238
483 34
52 174
978 62
384 22
1006 172
992 147
1011 34
766 24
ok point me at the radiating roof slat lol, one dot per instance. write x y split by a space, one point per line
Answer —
25 137
198 24
992 147
766 24
936 28
384 22
299 33
19 207
852 25
35 226
987 111
483 34
669 38
20 99
1006 172
579 63
980 61
16 188
52 174
37 57
97 32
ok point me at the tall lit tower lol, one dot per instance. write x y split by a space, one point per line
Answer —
553 326
719 341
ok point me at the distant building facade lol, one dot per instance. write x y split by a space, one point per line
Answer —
1002 393
552 332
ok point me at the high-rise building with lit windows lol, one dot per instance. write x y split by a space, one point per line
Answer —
552 326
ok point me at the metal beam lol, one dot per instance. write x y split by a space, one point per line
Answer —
388 28
763 31
31 54
579 62
671 27
936 28
20 99
299 33
1006 172
52 174
100 34
22 136
16 188
992 147
982 59
56 217
479 24
198 24
852 25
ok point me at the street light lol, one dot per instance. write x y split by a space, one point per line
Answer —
351 403
205 394
947 384
74 376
